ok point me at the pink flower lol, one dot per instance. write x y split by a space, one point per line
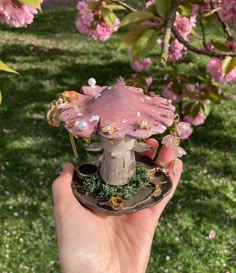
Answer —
121 81
212 234
168 141
93 24
177 51
179 152
104 31
184 26
149 81
16 15
141 65
184 130
149 3
228 11
168 93
198 120
214 67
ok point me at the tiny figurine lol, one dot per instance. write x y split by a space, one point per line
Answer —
121 181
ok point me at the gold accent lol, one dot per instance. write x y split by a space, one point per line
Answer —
87 140
144 124
155 170
157 192
53 116
112 141
116 203
110 128
175 164
72 141
68 96
174 132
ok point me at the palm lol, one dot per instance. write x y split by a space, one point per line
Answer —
91 242
112 244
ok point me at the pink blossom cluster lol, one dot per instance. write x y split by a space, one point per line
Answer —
168 92
184 130
227 10
141 65
197 92
184 26
214 67
92 23
149 3
15 14
198 120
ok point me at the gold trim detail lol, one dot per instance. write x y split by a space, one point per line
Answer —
144 124
110 128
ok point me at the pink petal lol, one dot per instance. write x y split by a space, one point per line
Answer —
180 152
168 141
212 234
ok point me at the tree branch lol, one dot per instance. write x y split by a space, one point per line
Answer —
225 27
169 23
128 7
194 49
202 29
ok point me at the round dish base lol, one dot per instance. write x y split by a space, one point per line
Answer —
159 187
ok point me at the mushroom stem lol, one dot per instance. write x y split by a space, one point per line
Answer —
118 162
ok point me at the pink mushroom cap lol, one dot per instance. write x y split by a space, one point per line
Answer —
116 112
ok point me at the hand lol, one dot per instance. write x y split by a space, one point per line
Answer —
90 242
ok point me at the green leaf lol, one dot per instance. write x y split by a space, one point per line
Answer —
220 46
185 9
214 95
152 9
144 44
94 5
206 109
188 107
195 109
228 64
109 17
163 7
131 37
0 97
214 98
136 17
115 7
33 3
6 68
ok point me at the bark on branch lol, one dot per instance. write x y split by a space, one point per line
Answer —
194 49
128 7
169 23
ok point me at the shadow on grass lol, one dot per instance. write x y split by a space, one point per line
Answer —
32 153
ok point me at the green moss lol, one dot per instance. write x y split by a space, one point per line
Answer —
96 185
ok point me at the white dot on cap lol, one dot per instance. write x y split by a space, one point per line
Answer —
92 82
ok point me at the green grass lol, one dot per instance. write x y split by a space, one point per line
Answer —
96 185
52 57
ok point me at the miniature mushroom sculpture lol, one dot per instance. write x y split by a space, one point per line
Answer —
121 115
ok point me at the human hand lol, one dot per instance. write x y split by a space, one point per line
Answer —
90 242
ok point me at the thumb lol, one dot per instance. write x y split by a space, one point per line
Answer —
61 188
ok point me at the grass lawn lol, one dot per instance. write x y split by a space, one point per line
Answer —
52 57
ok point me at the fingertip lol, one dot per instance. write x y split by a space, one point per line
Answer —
154 146
62 184
165 156
68 167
